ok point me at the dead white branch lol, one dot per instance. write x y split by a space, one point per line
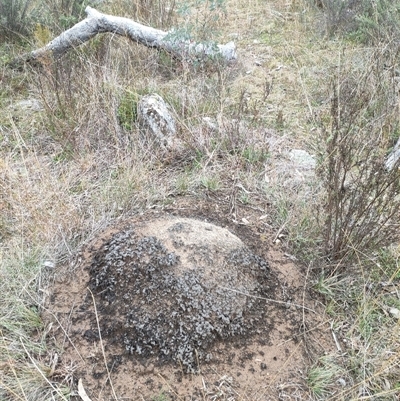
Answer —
393 157
97 22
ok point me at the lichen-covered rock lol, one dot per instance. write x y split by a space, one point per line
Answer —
302 159
170 288
156 120
27 106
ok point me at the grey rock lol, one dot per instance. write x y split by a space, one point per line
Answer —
302 158
32 105
156 120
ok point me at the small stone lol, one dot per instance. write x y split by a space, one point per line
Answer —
395 312
210 123
28 105
302 158
49 264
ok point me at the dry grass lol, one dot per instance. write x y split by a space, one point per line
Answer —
363 311
69 169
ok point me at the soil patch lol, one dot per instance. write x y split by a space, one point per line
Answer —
166 305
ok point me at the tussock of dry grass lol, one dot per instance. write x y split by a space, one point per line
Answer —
367 365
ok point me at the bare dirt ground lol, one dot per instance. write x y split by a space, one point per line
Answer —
268 362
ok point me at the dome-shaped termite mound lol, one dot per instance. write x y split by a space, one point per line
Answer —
170 288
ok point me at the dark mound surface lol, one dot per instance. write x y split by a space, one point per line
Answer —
171 288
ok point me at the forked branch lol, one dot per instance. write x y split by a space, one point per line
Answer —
96 22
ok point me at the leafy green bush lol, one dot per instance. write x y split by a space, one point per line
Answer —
361 20
378 22
127 109
15 17
19 17
60 15
202 18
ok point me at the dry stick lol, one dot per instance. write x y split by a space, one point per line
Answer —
70 320
269 299
282 227
204 384
306 332
54 361
82 392
42 374
304 297
101 345
11 391
96 23
170 387
14 372
227 383
19 384
339 348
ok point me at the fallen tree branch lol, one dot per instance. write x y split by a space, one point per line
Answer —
97 22
392 160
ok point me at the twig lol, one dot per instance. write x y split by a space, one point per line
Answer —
102 346
59 323
308 331
170 387
276 376
82 392
41 373
269 299
304 297
282 227
11 391
339 348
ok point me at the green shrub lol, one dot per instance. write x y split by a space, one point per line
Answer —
60 15
364 21
20 17
202 19
15 17
127 110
